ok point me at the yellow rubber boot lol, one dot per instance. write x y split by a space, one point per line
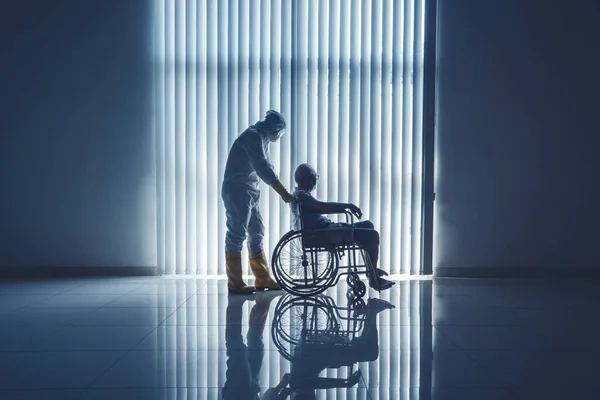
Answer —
235 283
260 269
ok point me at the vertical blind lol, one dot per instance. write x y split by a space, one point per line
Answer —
347 75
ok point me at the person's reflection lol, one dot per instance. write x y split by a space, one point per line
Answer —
244 361
319 350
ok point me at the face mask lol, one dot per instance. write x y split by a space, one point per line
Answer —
275 135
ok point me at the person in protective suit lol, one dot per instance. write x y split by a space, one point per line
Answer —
247 164
244 360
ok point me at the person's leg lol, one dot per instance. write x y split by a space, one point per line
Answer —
366 347
366 224
238 382
368 238
258 259
367 234
258 320
256 227
237 203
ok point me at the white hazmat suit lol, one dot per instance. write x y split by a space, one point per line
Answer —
247 164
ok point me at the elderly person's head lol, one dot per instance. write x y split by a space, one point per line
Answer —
306 177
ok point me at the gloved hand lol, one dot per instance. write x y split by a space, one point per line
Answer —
354 210
285 195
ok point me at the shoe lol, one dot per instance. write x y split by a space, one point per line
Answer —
235 283
380 284
381 272
260 269
379 305
265 297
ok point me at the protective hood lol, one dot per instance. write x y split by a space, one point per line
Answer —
273 125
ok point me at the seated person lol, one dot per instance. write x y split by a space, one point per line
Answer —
365 234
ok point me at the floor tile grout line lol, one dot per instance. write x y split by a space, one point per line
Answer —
132 350
126 353
54 332
463 351
112 388
486 370
68 324
35 302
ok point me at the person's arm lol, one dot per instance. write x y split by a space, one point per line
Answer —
313 205
329 207
337 208
256 153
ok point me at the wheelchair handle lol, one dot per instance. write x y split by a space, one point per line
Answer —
349 218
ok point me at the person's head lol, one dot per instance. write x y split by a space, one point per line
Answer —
272 125
306 177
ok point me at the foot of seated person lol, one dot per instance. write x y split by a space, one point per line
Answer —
381 272
378 305
381 284
375 306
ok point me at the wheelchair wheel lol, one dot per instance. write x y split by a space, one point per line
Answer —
359 288
299 317
356 287
304 270
352 278
357 304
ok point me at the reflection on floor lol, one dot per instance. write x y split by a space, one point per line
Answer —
175 338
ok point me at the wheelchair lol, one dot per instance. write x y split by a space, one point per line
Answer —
315 319
307 262
314 334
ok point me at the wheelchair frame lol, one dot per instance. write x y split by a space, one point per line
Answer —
314 242
342 323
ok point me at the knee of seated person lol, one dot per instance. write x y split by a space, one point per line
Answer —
375 236
369 225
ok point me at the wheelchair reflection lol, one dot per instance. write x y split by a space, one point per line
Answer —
314 334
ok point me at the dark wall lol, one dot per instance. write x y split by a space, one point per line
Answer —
76 149
517 134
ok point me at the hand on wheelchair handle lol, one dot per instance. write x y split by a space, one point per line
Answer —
282 191
355 210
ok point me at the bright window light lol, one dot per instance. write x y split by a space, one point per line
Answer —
348 76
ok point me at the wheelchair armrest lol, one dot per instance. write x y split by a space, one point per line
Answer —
348 214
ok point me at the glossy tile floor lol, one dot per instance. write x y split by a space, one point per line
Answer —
181 338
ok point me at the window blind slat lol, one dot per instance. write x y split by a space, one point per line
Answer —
348 77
